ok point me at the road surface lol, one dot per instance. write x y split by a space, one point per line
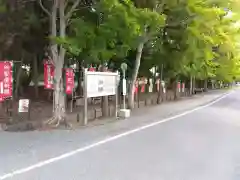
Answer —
198 143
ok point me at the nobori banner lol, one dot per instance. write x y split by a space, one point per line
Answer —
48 75
69 80
6 79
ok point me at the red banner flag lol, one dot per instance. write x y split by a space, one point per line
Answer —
136 87
183 85
6 80
69 80
48 75
179 86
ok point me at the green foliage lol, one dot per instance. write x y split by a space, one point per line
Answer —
189 37
2 6
193 29
118 28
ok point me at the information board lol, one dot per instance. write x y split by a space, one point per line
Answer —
101 83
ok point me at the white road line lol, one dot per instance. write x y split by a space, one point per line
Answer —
82 149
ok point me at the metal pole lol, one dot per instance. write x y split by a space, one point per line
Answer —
124 93
124 102
73 92
72 101
53 108
29 110
85 112
161 72
116 96
161 88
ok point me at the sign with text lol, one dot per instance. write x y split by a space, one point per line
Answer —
101 83
150 88
6 80
69 80
48 75
23 105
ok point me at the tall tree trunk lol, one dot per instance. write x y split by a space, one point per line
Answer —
134 75
54 47
205 85
105 110
212 82
194 84
35 76
59 98
175 89
59 103
191 85
159 94
18 79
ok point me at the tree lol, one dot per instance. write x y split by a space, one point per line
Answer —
151 21
65 9
121 27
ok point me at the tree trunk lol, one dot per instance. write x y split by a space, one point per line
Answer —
58 52
58 59
54 47
18 79
35 76
134 75
191 86
194 84
160 93
175 89
53 24
212 82
205 85
59 97
105 110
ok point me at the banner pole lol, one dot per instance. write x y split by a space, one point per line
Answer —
85 112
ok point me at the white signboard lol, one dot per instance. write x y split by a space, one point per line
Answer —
101 83
150 88
23 105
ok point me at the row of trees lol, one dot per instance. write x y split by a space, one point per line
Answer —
191 39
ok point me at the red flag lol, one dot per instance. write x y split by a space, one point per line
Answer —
69 80
179 86
136 87
6 80
48 76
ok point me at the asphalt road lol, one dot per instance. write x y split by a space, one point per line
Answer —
199 144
